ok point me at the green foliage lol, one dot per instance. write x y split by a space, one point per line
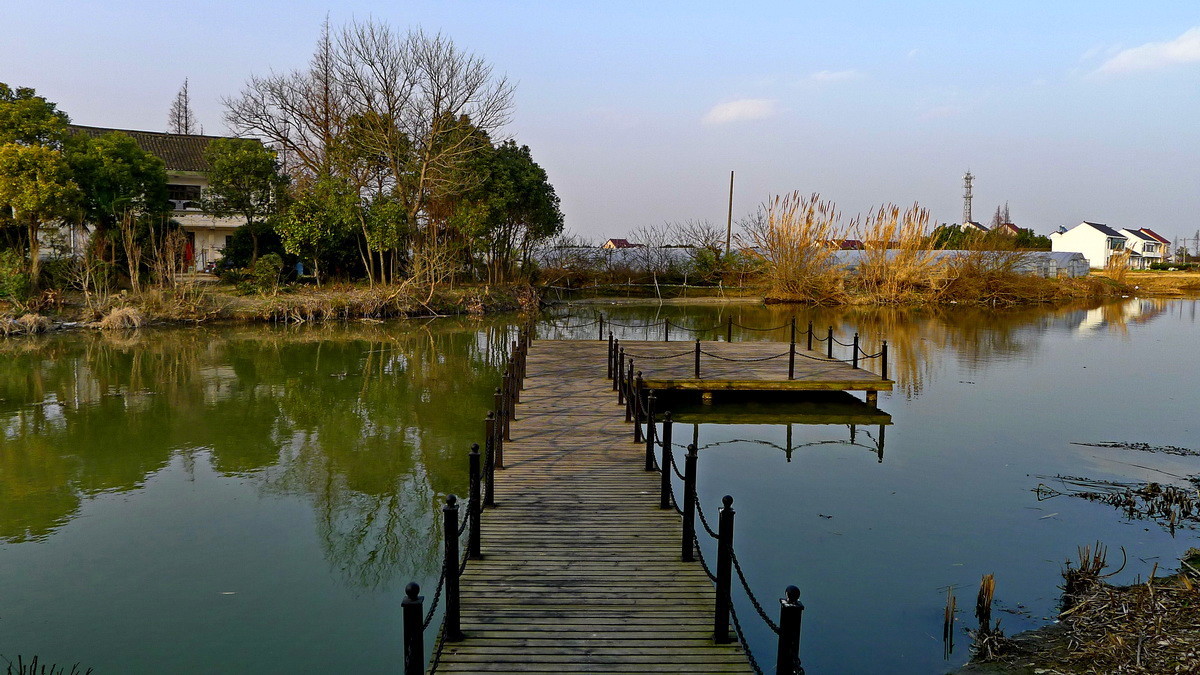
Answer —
266 272
29 119
115 175
319 217
1027 240
14 282
243 181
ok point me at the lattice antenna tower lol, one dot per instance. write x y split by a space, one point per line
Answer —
967 197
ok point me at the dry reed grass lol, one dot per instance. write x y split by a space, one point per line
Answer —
794 240
1117 266
26 324
122 318
899 264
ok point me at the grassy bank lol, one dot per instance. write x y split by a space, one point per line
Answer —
204 303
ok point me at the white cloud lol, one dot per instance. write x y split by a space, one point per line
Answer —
1152 55
742 110
835 75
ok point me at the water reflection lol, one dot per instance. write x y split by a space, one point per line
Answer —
364 422
919 340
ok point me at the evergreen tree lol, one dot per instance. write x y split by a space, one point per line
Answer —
181 119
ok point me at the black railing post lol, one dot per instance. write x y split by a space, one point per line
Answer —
489 459
664 498
697 370
639 408
854 359
649 431
602 329
829 353
452 624
883 356
791 611
792 352
498 430
508 405
412 607
610 355
724 570
810 336
689 504
618 383
475 506
629 393
729 330
666 330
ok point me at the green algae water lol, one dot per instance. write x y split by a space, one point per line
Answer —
254 499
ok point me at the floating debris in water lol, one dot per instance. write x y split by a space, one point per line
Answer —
1170 506
1144 447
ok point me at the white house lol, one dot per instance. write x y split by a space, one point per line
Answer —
1143 249
187 179
1096 241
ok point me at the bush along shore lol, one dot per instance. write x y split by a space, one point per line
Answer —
197 303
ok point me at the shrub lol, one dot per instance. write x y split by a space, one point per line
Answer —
122 318
794 241
14 282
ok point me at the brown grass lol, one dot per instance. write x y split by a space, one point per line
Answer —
899 264
794 240
26 324
122 318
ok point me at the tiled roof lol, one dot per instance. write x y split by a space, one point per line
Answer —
1156 236
1105 229
179 152
1141 235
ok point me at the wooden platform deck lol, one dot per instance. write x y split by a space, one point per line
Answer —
750 368
581 570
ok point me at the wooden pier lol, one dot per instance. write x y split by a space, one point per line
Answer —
581 569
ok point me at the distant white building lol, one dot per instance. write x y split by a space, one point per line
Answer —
1096 241
1144 250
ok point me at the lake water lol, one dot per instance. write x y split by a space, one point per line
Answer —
253 499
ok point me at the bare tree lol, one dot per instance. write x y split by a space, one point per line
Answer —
181 119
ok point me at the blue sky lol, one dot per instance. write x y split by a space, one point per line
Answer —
1068 111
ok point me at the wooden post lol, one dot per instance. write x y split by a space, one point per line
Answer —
664 497
475 506
649 430
452 624
724 571
791 611
498 429
689 504
412 607
830 342
697 370
489 459
873 398
854 359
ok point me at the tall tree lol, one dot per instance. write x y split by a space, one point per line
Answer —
243 181
181 119
320 213
35 183
116 176
29 119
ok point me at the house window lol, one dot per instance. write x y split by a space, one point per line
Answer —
184 197
1116 244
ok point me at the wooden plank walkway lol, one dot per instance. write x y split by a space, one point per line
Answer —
813 370
581 570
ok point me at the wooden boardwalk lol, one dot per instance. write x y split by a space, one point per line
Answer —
668 365
581 570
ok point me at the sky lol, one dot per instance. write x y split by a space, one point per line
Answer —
638 111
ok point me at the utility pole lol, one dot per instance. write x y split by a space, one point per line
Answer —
967 179
729 218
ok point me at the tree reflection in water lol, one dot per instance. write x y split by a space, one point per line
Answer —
371 424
